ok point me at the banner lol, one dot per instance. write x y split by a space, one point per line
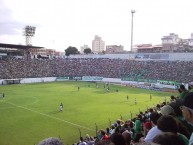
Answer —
62 78
92 78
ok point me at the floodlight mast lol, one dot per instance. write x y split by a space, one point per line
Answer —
132 13
29 32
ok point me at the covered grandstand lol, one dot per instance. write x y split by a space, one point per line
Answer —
13 50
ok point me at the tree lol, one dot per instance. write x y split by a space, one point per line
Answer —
87 50
71 50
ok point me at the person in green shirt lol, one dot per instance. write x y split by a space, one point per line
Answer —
183 91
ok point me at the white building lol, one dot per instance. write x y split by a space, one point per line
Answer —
82 48
98 45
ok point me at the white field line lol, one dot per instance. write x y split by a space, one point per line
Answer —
73 124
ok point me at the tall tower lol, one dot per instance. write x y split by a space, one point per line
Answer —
29 32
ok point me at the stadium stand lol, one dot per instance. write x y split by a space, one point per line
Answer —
180 71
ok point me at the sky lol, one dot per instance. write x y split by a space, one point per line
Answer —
63 23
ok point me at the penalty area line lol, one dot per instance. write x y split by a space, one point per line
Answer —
73 124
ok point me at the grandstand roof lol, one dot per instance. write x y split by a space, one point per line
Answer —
4 45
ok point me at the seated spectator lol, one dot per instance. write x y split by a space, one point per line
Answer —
82 142
127 137
184 127
51 141
167 123
154 130
187 111
168 138
146 127
117 139
167 110
104 142
112 130
172 99
104 135
89 140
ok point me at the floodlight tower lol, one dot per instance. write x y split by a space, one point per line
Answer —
29 32
132 13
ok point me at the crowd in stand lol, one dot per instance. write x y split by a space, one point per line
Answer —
180 71
168 123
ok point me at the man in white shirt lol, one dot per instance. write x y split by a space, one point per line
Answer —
154 116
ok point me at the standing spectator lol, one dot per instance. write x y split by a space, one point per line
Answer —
184 91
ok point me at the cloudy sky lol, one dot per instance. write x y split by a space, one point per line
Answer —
63 23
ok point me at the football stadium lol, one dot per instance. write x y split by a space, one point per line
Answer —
88 100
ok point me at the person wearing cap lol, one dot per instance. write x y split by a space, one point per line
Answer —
146 127
187 111
168 110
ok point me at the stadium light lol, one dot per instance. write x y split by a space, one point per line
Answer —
29 32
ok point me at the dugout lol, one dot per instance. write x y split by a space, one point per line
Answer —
11 81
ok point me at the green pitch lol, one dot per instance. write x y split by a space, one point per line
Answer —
30 113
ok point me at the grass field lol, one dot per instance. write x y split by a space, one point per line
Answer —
30 112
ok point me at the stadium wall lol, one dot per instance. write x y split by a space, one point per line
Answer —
141 56
95 78
37 80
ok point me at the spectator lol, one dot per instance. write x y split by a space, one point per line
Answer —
187 111
183 91
154 130
117 139
51 141
168 138
82 142
167 110
127 137
167 123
